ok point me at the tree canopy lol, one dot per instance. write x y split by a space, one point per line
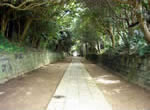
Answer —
96 25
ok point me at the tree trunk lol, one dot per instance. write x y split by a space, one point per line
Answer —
112 37
143 24
19 30
4 23
98 46
27 25
33 41
146 31
86 46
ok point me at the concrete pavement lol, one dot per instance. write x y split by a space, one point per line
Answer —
78 91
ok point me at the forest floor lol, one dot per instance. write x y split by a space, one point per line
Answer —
33 90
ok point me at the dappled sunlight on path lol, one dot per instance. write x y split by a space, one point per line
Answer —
78 91
33 90
120 94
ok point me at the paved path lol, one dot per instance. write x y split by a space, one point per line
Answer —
120 94
33 90
101 90
78 91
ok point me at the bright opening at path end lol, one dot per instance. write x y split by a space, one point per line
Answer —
75 54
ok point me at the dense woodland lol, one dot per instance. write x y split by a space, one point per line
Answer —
97 26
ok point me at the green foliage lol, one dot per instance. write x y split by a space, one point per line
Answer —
7 46
144 50
57 25
43 32
145 3
137 45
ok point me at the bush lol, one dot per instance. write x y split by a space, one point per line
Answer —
92 57
7 46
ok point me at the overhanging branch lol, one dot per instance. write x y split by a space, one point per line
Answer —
130 2
27 5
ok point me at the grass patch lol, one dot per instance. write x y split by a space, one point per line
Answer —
7 46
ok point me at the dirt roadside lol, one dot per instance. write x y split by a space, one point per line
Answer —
120 94
34 90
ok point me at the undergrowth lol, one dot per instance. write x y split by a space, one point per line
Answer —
7 46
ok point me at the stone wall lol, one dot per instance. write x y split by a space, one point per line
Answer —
134 68
13 65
